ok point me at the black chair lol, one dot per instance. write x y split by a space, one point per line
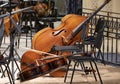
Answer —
90 40
96 42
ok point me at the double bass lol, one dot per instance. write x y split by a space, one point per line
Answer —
67 33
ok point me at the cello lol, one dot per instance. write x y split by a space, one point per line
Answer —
67 33
58 36
6 21
39 63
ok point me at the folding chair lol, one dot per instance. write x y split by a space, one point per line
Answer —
96 42
90 40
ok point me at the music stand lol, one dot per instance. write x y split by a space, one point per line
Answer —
11 48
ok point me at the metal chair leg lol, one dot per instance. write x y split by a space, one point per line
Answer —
2 71
9 74
102 56
98 72
67 70
82 65
73 73
93 71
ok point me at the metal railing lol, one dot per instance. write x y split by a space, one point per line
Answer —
111 40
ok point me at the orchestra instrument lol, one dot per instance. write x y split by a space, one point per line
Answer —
60 35
36 63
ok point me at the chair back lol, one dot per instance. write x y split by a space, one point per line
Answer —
99 33
99 25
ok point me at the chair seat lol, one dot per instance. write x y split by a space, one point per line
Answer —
81 58
89 40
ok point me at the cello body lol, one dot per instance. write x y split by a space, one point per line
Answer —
48 37
35 63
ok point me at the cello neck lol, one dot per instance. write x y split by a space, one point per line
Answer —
79 27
